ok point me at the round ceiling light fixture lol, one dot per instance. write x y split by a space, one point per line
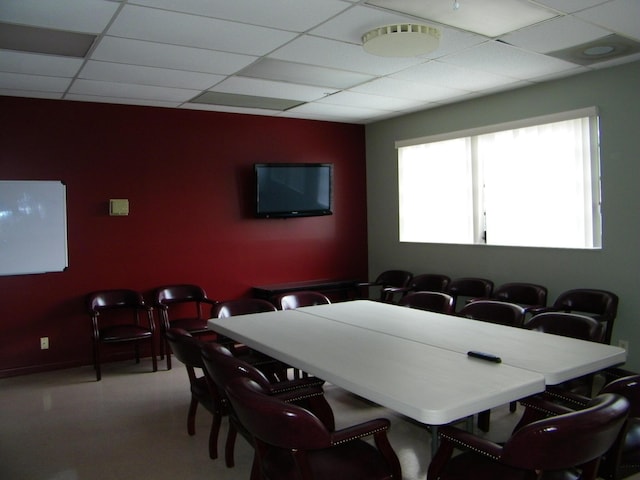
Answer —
401 40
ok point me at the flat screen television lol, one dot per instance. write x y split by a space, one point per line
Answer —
293 189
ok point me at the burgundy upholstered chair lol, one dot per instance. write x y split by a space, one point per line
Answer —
550 448
430 301
306 298
120 316
493 311
425 282
181 306
623 459
187 350
221 367
245 306
388 278
468 288
291 443
527 295
599 304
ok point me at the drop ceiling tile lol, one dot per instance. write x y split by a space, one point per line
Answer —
137 52
37 83
88 16
122 73
352 24
272 69
489 17
364 100
556 34
288 15
396 88
229 109
340 55
267 88
129 90
155 25
619 16
451 76
33 63
121 100
501 59
344 112
7 92
570 6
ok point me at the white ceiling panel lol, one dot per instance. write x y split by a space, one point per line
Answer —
396 88
201 32
453 77
129 90
37 83
620 16
137 52
137 74
508 61
167 52
291 15
32 63
555 34
344 56
272 69
267 88
571 6
88 16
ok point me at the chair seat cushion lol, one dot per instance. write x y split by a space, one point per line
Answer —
356 460
124 333
459 467
191 325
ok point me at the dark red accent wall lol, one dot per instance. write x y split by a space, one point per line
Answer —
189 180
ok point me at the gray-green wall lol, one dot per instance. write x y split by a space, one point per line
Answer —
616 92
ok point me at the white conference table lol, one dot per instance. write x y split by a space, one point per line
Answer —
415 362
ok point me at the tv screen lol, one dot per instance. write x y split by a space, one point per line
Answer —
293 189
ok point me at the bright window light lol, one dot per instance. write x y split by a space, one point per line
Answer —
534 185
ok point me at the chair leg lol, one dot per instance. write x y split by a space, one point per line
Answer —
96 360
191 416
154 359
230 446
166 350
213 436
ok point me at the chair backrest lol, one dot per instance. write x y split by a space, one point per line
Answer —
180 293
601 304
567 324
242 306
274 421
470 287
623 459
222 366
394 278
522 294
306 298
118 298
494 311
430 301
429 282
577 438
185 347
598 302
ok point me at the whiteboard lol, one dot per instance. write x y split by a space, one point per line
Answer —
33 227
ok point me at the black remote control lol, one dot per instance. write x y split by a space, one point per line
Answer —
484 356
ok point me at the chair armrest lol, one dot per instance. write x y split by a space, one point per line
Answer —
396 290
361 430
468 441
367 284
294 396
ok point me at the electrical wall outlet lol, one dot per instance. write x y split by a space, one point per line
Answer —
624 344
44 343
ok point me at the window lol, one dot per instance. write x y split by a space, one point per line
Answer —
532 183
